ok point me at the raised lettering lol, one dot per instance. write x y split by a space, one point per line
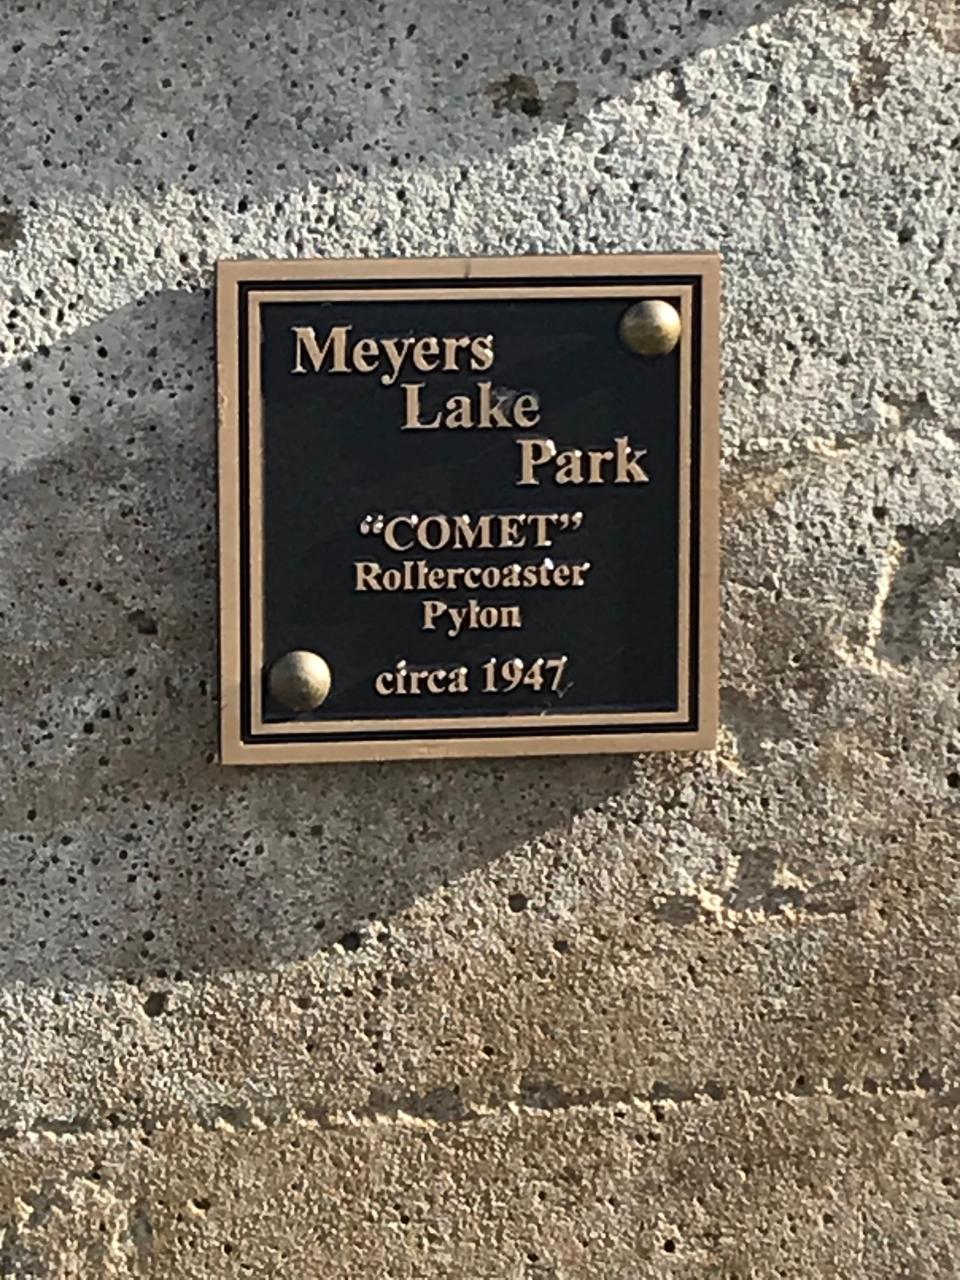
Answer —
305 339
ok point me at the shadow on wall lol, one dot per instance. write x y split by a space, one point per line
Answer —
259 98
125 848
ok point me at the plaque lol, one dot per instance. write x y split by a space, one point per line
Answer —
467 506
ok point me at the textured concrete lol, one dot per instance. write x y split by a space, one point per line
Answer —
607 1018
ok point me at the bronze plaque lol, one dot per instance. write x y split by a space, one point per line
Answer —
467 506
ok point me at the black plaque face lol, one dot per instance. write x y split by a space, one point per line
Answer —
467 507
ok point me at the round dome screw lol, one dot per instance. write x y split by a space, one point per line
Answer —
651 327
300 680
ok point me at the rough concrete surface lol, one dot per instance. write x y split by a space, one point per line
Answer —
606 1017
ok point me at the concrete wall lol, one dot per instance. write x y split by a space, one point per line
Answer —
609 1018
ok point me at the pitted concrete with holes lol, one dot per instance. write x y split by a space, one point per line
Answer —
585 1018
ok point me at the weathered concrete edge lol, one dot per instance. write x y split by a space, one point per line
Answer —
444 1107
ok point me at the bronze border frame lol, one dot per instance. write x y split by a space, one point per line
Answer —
259 727
449 274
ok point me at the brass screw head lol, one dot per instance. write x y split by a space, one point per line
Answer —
651 327
300 680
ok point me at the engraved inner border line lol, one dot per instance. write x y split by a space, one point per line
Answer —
460 291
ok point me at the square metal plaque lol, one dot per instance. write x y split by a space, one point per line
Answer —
467 506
